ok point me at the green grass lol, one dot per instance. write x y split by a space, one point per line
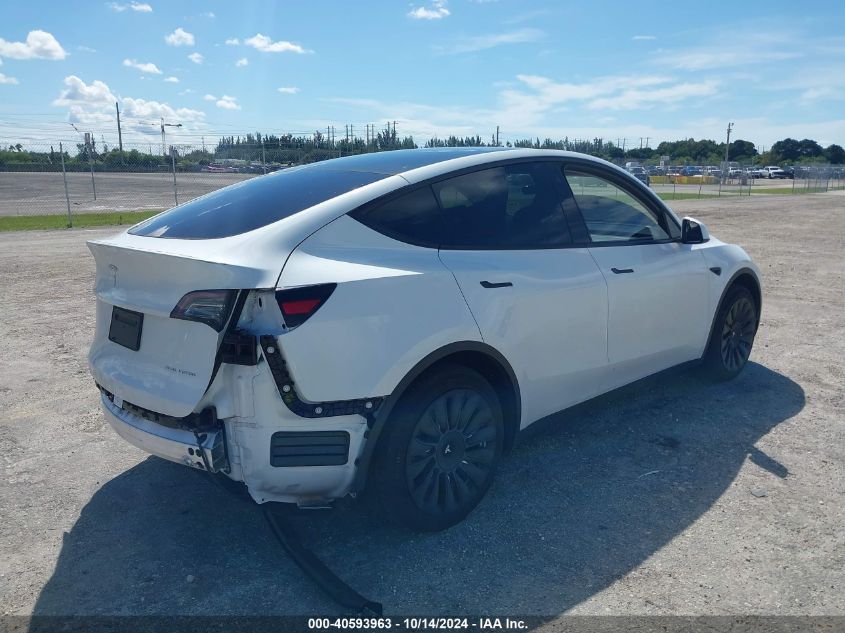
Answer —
80 220
668 195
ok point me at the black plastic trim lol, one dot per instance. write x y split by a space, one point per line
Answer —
287 390
309 448
728 285
378 421
204 420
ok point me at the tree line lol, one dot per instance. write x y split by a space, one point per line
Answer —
291 149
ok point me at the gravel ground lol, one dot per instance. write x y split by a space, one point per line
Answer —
31 193
668 497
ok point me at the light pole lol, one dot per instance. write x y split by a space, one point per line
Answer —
164 125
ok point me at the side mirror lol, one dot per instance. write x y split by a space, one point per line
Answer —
694 232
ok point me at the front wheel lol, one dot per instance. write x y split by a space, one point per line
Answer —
733 335
440 450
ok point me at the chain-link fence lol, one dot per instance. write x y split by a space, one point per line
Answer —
53 179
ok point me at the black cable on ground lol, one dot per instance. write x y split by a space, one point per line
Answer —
314 568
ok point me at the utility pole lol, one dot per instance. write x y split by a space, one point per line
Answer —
497 136
728 146
119 135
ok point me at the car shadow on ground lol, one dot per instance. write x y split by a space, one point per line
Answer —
582 500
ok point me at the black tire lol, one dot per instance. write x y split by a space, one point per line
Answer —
733 336
439 450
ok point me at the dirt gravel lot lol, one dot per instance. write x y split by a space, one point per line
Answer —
32 193
668 497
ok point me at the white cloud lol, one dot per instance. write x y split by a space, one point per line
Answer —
77 92
210 98
228 103
288 90
180 37
172 80
644 38
144 109
196 58
436 11
86 49
186 91
144 67
5 79
209 14
634 99
266 45
38 45
243 61
484 42
139 7
233 41
734 48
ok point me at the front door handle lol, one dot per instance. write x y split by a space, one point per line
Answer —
490 284
620 271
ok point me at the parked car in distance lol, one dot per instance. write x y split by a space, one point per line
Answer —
735 172
640 174
387 323
773 171
758 172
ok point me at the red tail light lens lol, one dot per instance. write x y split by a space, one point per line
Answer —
299 304
211 307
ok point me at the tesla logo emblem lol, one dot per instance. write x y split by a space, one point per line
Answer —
447 450
113 270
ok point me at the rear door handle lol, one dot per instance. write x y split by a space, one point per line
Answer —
490 284
620 271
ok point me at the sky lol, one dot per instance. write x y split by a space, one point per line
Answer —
641 71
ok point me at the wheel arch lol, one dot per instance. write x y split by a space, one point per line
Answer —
484 359
747 278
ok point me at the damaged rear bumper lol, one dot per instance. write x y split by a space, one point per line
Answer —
204 450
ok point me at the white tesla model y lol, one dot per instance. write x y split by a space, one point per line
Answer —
394 319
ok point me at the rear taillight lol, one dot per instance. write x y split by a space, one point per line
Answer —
299 304
211 307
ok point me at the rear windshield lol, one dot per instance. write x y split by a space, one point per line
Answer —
252 204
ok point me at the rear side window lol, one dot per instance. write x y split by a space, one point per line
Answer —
252 204
510 207
413 218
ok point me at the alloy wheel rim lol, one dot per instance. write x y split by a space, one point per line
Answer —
451 452
738 334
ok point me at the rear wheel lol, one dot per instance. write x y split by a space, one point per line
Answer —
440 450
733 335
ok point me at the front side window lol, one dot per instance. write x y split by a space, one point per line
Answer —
612 214
509 207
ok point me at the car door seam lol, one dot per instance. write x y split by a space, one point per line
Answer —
461 290
607 303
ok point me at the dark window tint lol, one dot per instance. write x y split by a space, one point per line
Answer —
252 204
613 214
510 207
412 217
